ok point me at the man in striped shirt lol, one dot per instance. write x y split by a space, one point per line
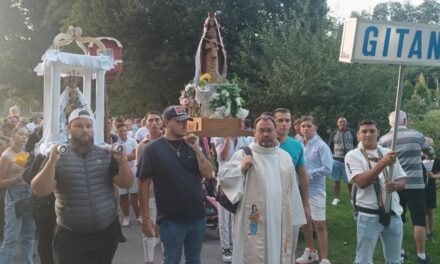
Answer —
409 145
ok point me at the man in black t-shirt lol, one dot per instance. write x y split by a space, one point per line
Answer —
175 164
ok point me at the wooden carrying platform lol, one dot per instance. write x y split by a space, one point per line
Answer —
226 127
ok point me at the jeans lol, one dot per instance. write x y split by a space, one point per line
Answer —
368 232
2 211
189 235
17 229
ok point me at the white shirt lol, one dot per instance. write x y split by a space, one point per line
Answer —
141 133
31 127
356 163
219 142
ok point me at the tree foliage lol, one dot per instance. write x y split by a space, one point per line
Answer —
283 53
430 126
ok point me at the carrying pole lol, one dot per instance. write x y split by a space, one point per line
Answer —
395 128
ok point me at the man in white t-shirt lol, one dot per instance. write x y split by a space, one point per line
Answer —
367 168
130 146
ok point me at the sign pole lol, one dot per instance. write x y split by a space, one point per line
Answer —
396 125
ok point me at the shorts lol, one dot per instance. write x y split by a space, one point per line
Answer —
133 189
317 206
431 198
338 172
415 200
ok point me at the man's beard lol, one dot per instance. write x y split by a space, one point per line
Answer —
266 144
177 134
82 142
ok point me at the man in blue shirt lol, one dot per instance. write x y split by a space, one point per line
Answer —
283 119
319 164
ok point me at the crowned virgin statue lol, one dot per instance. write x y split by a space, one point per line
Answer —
210 62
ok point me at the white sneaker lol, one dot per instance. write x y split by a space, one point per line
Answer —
227 255
336 201
126 221
308 256
324 261
139 220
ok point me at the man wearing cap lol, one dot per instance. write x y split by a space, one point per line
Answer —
82 180
176 165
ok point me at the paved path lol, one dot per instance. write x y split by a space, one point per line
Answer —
131 252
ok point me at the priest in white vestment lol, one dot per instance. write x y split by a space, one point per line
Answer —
269 202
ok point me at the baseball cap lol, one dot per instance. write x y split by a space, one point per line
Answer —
176 112
80 113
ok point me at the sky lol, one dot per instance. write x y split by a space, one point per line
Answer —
343 8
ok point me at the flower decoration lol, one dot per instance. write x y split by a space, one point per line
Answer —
187 99
21 158
205 78
227 102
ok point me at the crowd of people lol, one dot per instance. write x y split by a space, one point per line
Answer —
268 187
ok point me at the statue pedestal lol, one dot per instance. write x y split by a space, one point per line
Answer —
225 127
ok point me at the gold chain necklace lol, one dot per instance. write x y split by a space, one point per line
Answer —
177 150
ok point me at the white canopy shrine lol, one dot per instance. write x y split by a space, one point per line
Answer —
57 64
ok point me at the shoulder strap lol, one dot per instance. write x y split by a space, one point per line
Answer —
247 150
353 194
376 182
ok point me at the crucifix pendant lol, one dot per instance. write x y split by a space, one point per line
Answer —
178 154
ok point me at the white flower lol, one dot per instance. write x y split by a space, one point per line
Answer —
219 112
190 87
223 92
215 96
216 115
238 101
227 94
242 113
220 109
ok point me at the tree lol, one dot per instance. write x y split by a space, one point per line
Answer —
421 90
430 127
23 39
160 38
428 12
298 69
407 90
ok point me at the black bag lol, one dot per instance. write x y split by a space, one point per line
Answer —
23 207
224 201
222 198
384 218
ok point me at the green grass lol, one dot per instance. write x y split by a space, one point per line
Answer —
342 233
